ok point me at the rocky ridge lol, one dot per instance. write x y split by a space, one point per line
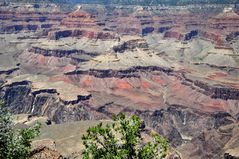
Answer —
165 69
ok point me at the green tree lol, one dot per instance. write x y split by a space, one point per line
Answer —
15 144
122 140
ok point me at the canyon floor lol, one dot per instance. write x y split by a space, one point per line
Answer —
175 67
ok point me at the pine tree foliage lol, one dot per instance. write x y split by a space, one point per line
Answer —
15 144
122 140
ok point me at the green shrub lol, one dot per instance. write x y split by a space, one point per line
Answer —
122 140
15 144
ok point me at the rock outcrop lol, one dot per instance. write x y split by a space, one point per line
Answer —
80 24
180 125
29 18
44 149
20 98
79 19
130 45
175 67
58 53
131 72
79 33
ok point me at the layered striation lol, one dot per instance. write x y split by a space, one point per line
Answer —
176 67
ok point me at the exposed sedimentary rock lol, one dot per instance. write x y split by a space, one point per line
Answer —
175 67
20 98
130 45
58 53
17 97
91 34
9 71
219 92
80 24
44 149
119 73
179 125
29 18
79 18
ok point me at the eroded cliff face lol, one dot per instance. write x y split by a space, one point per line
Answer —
80 24
180 23
21 98
79 18
170 66
29 17
91 34
181 125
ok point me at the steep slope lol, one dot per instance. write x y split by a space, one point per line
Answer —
161 63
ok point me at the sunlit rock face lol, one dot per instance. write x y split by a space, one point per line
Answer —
79 18
223 27
80 24
175 67
29 17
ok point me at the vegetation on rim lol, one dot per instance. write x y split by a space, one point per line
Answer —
15 144
122 140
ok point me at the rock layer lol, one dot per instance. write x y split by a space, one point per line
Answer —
175 67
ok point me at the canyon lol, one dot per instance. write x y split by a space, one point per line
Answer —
177 67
